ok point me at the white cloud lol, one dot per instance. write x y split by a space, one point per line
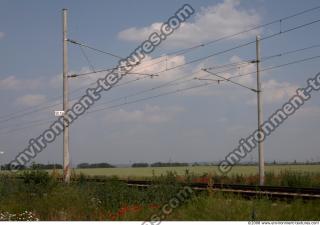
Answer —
210 23
13 83
223 88
2 35
30 100
149 114
244 69
162 64
275 91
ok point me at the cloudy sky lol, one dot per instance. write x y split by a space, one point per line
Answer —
202 124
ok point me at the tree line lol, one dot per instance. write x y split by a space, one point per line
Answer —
160 164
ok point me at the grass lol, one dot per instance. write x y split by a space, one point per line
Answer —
219 207
39 196
197 170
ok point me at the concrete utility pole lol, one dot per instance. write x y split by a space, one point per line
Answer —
66 154
260 116
1 153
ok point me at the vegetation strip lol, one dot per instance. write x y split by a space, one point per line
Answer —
272 192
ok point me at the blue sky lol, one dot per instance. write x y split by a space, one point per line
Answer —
200 125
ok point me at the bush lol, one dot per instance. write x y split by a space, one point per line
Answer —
38 181
140 165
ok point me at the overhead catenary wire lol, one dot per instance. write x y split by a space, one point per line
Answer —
94 49
282 65
231 81
237 47
167 84
183 51
241 46
177 79
281 32
179 90
214 41
36 124
219 53
265 69
222 38
87 58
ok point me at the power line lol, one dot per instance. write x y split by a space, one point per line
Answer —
281 33
152 97
289 52
241 46
186 50
199 45
24 113
263 59
87 58
179 90
219 53
282 65
167 84
238 46
229 80
262 70
183 51
94 49
181 78
38 123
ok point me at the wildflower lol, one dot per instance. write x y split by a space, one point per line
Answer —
154 206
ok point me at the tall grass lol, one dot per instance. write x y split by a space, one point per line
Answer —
283 178
41 195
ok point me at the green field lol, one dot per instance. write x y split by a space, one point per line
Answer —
197 170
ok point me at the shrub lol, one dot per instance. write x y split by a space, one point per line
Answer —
38 182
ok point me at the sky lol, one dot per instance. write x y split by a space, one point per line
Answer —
199 125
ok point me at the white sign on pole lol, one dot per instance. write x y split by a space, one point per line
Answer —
58 113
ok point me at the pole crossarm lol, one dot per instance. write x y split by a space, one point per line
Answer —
218 81
94 49
229 80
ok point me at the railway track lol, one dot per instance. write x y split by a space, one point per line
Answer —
247 191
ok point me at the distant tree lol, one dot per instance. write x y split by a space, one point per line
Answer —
8 167
95 165
40 166
83 165
173 164
140 165
101 165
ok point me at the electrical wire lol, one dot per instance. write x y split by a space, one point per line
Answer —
183 77
185 89
94 49
215 54
203 44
